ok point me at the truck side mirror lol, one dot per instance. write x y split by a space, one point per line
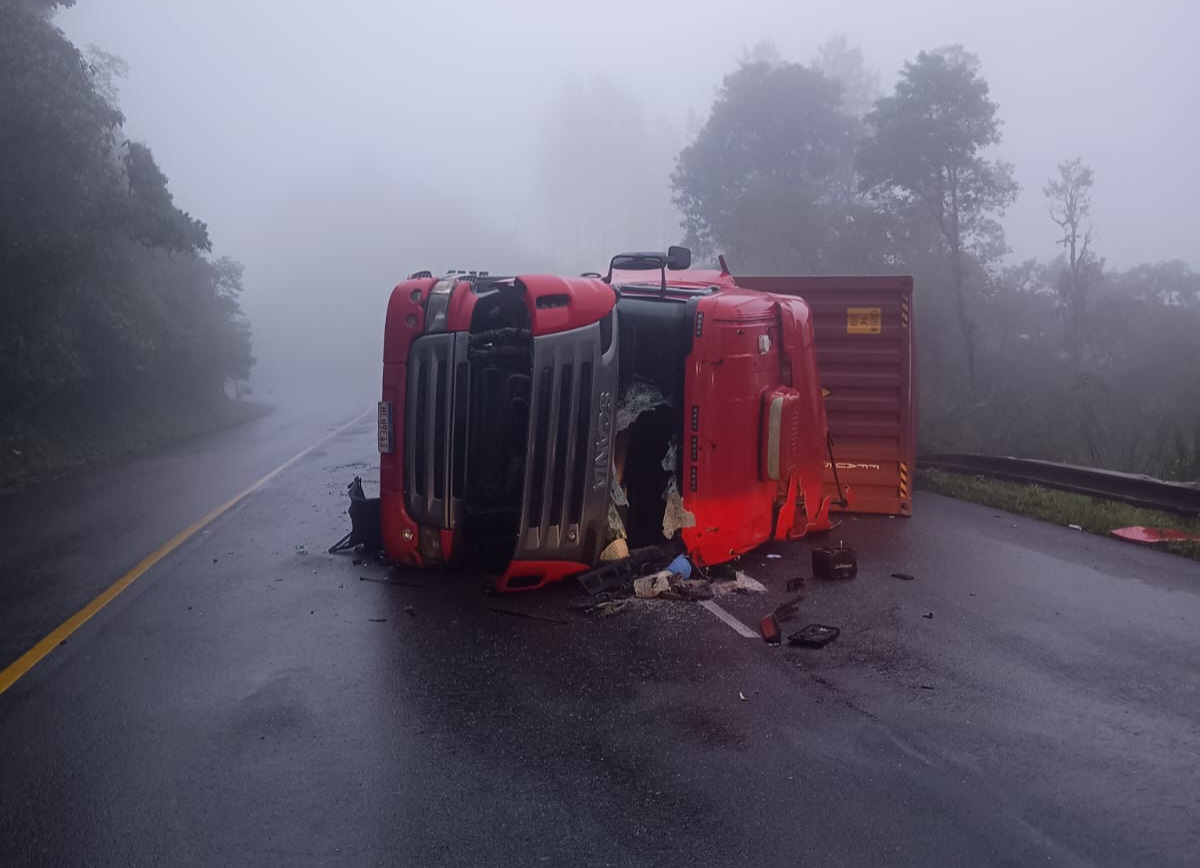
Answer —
678 258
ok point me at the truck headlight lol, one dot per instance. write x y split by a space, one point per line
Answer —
438 304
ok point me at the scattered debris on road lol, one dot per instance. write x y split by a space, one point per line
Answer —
529 615
616 550
1152 536
377 620
904 577
650 587
788 609
769 628
795 584
668 585
744 584
742 696
613 574
397 582
928 615
587 604
641 574
682 566
834 562
814 636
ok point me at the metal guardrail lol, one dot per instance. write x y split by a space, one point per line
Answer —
1137 490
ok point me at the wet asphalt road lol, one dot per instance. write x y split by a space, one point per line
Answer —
254 701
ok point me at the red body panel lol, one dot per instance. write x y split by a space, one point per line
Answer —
404 323
740 354
559 304
531 575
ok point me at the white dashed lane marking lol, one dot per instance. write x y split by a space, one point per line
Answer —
738 626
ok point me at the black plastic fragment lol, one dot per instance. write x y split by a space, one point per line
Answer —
814 636
613 574
365 524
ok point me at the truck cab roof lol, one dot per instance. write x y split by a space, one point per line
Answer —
688 281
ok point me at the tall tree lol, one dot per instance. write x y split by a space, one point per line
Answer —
1171 283
105 291
760 181
926 145
763 51
838 61
154 219
107 69
1069 200
56 178
844 63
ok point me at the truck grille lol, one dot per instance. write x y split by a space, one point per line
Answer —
436 429
563 511
567 469
559 459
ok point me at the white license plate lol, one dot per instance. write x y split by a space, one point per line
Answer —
384 426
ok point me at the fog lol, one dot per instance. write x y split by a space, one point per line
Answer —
334 148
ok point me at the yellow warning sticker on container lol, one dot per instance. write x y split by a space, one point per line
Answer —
864 320
825 393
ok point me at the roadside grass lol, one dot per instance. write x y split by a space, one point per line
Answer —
1059 507
38 453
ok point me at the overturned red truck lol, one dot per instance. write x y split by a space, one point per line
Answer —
530 425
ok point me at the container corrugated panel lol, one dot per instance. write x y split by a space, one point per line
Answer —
866 360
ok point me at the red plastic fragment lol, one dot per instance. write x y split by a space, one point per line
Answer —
1152 535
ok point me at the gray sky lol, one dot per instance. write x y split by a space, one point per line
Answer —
286 124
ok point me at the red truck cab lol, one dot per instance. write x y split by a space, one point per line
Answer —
528 422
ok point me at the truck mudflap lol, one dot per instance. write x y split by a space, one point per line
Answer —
864 335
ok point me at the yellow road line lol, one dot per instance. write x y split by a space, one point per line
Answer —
38 652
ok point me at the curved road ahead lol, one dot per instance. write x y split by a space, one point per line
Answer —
251 700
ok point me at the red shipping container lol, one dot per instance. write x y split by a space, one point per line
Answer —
867 366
